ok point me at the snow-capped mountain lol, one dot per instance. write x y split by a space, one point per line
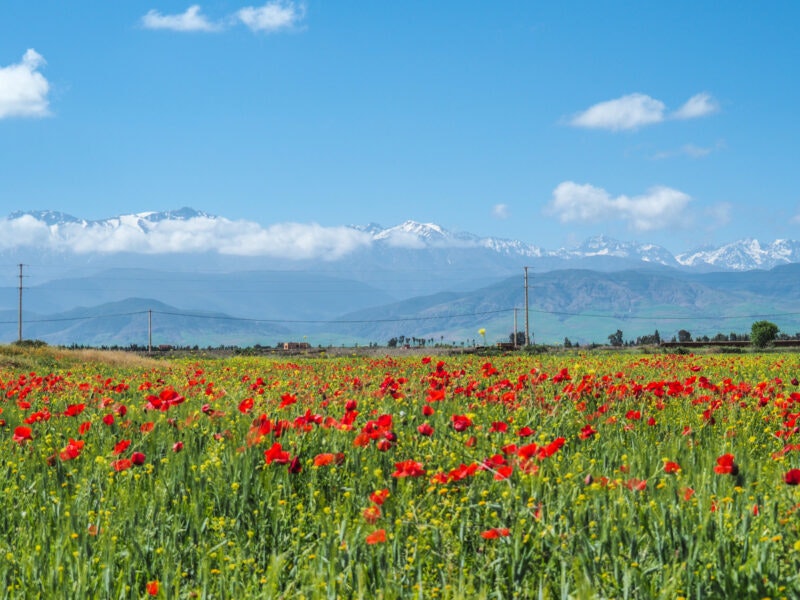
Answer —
744 255
190 231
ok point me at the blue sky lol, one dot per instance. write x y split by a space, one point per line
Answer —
545 122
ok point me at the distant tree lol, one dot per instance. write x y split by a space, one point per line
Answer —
392 343
656 337
615 339
567 343
762 333
684 336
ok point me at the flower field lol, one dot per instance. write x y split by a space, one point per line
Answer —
612 476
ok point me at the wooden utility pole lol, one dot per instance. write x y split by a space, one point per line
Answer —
19 323
150 331
527 318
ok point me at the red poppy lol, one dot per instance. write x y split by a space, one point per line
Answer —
372 514
73 410
122 464
425 429
121 446
461 422
152 588
276 454
408 468
495 532
177 446
72 450
146 427
108 419
377 537
427 410
726 465
525 432
498 427
587 432
321 460
246 405
671 467
287 399
295 466
503 472
84 427
22 435
379 496
138 458
792 477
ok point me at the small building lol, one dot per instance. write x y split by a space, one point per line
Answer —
296 345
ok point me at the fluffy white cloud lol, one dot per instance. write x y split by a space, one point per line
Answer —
637 110
191 20
698 105
629 112
199 234
273 16
500 211
23 90
660 207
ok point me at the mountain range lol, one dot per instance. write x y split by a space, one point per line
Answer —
206 280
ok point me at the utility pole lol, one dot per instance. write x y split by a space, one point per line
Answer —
150 331
527 318
20 303
515 328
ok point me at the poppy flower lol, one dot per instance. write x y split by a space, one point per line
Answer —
121 446
425 429
461 422
495 532
152 588
276 454
84 427
498 427
726 465
321 460
122 464
792 477
287 399
73 410
408 468
671 467
108 419
177 446
246 405
379 496
138 458
372 514
295 466
427 410
587 432
22 435
72 450
377 537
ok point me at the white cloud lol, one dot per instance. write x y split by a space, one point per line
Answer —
637 110
659 208
628 112
294 241
191 20
23 90
698 105
500 211
273 16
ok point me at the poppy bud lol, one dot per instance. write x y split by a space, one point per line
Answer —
295 466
